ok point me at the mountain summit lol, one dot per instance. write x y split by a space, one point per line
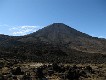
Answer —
57 32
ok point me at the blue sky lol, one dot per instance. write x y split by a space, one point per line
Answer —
20 17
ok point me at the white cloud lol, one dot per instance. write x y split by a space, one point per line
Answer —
23 30
101 36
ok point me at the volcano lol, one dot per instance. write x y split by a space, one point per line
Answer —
55 42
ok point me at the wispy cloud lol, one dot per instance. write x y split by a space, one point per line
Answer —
23 30
18 30
99 36
102 36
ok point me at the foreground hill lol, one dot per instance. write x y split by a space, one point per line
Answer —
56 42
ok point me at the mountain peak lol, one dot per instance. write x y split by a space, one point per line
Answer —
58 25
58 32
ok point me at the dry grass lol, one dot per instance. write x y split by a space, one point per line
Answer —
100 70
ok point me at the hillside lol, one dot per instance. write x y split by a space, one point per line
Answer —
56 42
